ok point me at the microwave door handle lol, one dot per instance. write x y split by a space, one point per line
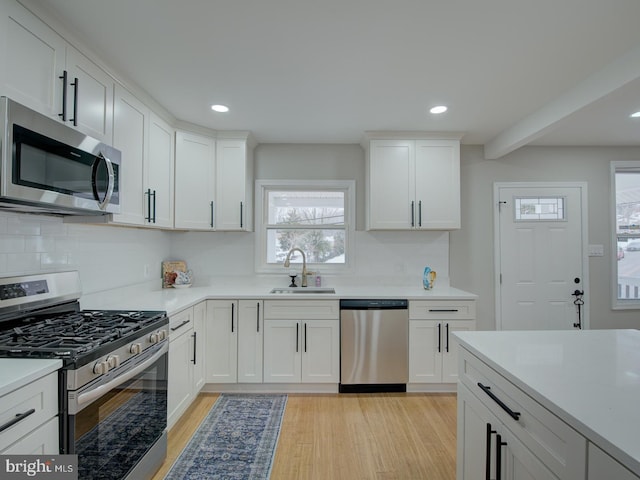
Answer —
112 180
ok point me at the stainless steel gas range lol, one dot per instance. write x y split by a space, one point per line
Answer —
113 384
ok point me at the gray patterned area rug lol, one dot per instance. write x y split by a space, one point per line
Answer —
236 440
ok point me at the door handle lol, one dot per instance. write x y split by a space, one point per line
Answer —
487 463
232 312
241 214
439 337
487 390
420 213
195 334
258 317
413 210
447 337
297 336
76 85
64 79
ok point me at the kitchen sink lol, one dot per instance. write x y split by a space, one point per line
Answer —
302 290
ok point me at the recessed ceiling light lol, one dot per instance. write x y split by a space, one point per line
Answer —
635 115
220 108
438 109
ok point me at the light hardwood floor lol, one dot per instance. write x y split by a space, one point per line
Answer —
351 436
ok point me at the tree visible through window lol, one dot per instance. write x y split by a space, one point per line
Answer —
312 220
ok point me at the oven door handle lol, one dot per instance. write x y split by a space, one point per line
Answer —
91 395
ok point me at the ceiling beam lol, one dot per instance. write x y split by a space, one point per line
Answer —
615 75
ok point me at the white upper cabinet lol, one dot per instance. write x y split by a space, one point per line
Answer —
158 173
413 184
147 146
234 192
130 126
195 182
42 71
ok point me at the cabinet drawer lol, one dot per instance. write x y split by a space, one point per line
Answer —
180 323
302 309
44 440
40 396
558 445
442 310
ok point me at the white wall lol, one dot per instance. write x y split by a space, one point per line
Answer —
471 247
105 256
380 257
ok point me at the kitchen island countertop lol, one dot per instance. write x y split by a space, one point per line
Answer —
590 379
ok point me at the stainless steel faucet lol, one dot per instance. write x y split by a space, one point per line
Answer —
304 264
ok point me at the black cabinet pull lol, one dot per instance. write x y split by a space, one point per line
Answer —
487 390
439 337
232 315
305 337
446 347
443 310
499 445
487 463
297 335
258 317
173 329
194 346
16 419
211 204
420 213
241 215
148 195
76 85
64 77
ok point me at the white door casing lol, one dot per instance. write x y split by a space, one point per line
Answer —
537 262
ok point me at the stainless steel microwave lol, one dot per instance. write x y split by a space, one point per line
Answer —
48 167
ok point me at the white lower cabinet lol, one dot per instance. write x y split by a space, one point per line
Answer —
301 342
489 449
250 341
222 341
433 351
186 354
603 466
504 433
35 406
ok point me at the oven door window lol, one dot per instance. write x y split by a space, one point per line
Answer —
114 432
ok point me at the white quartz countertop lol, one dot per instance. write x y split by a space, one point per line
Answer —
144 297
590 379
18 372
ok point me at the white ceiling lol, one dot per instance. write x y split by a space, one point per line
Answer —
512 72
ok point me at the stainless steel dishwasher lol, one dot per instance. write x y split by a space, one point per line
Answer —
374 341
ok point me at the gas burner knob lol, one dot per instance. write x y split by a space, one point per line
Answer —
135 348
162 334
154 338
113 361
100 368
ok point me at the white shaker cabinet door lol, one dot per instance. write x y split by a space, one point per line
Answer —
282 351
437 184
320 351
194 182
250 341
131 119
233 210
391 186
222 341
33 57
159 168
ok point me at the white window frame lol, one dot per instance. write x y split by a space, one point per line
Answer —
261 221
619 303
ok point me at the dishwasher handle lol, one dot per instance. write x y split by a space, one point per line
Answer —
369 304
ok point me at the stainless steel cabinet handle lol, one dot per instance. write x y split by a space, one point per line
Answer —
16 419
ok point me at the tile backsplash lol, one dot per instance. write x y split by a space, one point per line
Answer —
106 256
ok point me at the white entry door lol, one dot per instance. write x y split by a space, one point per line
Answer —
541 256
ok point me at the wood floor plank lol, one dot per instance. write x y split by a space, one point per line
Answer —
393 436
